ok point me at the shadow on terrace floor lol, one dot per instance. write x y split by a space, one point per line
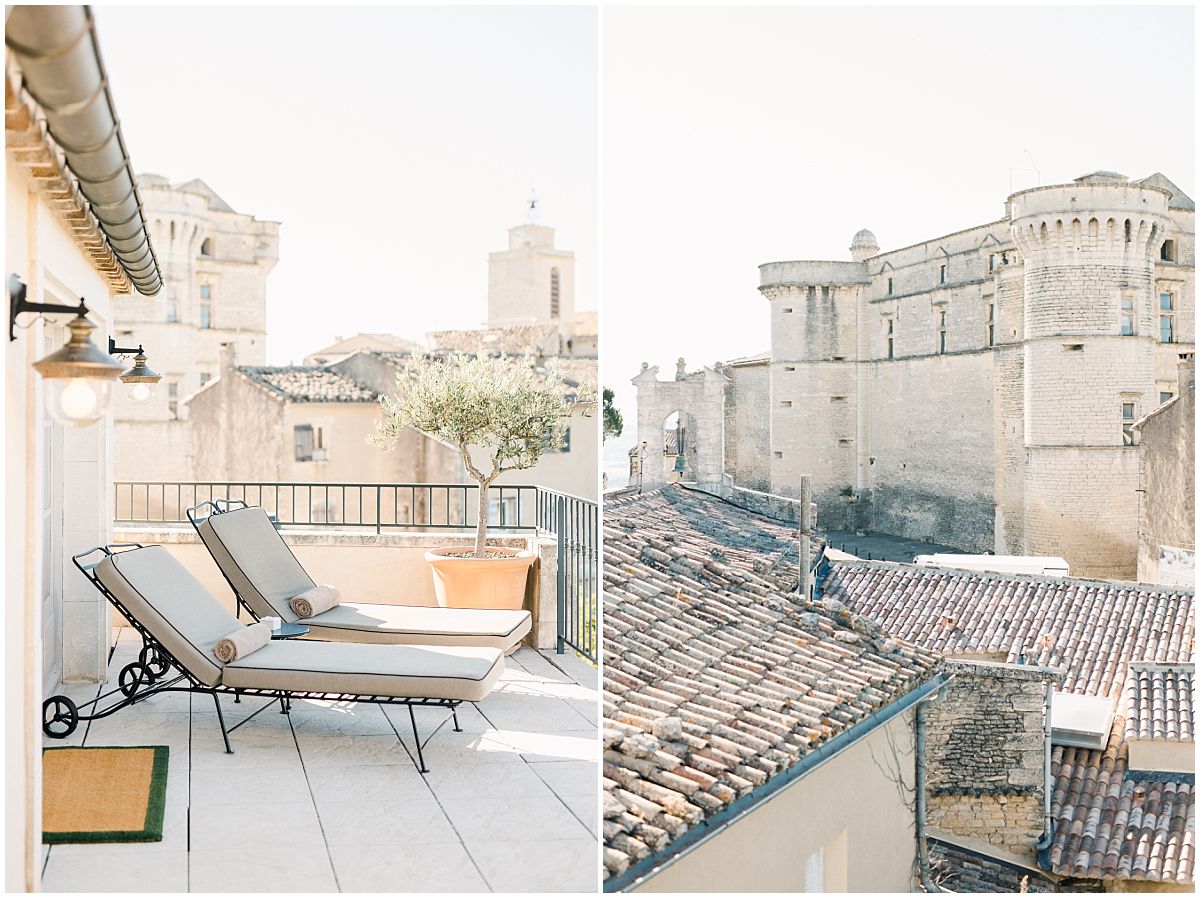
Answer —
327 798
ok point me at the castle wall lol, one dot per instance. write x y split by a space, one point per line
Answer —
748 424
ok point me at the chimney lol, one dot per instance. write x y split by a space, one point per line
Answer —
987 756
227 356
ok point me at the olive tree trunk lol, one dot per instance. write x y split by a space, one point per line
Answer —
481 525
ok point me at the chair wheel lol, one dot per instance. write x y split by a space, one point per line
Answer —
132 677
60 717
154 662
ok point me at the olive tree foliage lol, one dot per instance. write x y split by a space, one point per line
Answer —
499 405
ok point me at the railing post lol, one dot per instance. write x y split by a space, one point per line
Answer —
378 509
561 578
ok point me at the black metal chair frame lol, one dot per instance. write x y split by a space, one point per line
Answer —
197 520
148 676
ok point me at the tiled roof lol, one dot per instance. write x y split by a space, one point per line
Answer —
1158 703
1106 823
1092 628
515 339
716 679
586 324
308 383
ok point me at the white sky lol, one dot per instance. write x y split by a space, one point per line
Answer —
395 145
734 137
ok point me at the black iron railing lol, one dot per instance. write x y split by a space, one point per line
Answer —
375 506
575 524
409 507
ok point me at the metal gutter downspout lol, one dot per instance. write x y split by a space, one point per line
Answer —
63 73
1047 839
927 882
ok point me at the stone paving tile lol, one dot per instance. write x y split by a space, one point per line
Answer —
330 799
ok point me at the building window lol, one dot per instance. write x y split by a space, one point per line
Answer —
554 293
942 273
173 398
991 263
990 327
889 331
1164 396
304 439
1166 317
205 377
1127 329
891 285
206 247
1167 253
1127 419
941 332
172 307
814 872
205 306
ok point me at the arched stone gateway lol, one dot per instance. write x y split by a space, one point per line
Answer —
698 401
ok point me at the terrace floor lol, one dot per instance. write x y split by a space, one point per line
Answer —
327 798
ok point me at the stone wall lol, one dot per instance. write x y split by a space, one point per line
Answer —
1167 512
748 423
699 397
986 755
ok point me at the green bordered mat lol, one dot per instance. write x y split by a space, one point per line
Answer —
104 794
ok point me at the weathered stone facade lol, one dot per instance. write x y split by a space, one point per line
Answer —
986 755
215 263
974 390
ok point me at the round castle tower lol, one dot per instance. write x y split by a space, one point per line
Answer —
1089 249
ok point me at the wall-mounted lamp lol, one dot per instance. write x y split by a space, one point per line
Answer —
79 376
140 379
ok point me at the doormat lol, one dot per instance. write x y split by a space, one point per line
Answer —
104 794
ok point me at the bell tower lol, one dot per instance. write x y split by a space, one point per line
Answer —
532 282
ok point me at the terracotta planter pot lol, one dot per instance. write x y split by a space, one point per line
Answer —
480 582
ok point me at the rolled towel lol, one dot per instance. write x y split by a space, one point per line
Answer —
242 642
316 600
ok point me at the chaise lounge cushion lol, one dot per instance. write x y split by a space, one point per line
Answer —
467 674
257 562
262 570
179 612
418 625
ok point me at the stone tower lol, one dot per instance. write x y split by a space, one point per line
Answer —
1089 353
532 282
699 400
815 379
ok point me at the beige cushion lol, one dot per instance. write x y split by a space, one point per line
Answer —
255 560
466 674
262 570
420 625
172 605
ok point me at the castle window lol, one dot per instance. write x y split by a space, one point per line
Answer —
786 403
787 310
1166 317
991 263
942 273
205 306
1167 253
173 398
205 377
991 324
1164 396
890 286
889 331
789 367
1127 329
941 332
554 293
1127 419
172 306
1128 231
206 247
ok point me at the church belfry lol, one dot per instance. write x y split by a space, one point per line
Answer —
532 282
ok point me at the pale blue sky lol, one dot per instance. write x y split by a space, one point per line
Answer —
736 136
395 145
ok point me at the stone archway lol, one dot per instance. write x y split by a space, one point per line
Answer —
698 399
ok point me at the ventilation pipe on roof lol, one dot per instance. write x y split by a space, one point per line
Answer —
927 882
62 71
1047 839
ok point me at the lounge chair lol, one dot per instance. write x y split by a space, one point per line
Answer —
181 622
265 576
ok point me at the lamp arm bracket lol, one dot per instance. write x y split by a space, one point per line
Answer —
19 305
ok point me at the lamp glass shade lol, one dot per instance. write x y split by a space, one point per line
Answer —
139 392
77 401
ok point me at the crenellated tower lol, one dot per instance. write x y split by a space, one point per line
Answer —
1090 342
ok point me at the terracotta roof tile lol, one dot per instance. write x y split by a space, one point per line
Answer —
1108 822
308 383
716 679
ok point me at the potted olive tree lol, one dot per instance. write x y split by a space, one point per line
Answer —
501 413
